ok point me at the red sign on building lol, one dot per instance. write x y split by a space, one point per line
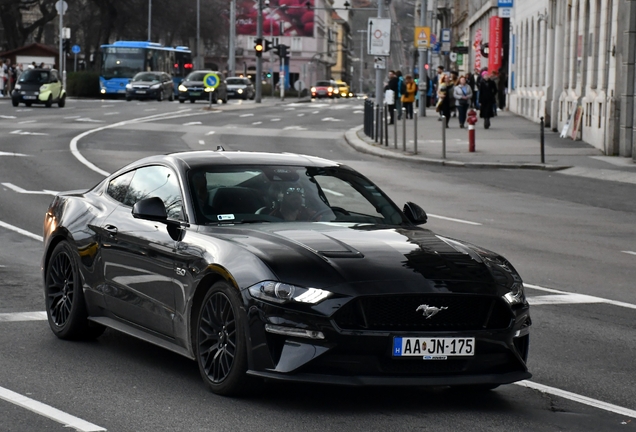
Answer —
495 44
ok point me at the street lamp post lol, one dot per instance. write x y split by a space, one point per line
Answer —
231 60
198 33
149 18
259 58
420 63
361 89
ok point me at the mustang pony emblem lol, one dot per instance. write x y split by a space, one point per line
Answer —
429 311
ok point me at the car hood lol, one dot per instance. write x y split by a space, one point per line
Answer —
144 83
368 259
192 83
236 86
30 86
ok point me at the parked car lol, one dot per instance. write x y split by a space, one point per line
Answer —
39 86
150 85
343 89
324 88
280 267
240 88
193 89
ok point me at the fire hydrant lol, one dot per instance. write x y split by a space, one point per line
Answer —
472 120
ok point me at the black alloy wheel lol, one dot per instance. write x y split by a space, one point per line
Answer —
220 341
160 96
65 306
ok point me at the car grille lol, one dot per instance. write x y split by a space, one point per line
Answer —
398 313
195 89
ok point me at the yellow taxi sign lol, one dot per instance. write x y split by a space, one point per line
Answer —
211 80
422 38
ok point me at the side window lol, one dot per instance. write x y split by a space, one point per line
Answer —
157 181
118 187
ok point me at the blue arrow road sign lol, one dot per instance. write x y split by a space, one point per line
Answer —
76 49
211 80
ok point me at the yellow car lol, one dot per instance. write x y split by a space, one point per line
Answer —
39 86
343 89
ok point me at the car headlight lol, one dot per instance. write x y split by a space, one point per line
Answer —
516 295
313 89
209 89
182 88
45 87
330 89
18 86
240 91
103 91
128 86
155 87
279 292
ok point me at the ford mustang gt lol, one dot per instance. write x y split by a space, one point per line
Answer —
283 267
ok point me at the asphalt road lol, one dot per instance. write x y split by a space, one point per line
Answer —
569 238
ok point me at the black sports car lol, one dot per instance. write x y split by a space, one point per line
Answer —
284 267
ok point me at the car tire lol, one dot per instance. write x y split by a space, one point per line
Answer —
128 99
220 340
64 297
224 100
192 100
62 102
160 96
181 100
15 102
28 104
49 102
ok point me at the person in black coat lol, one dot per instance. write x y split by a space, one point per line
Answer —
487 98
392 85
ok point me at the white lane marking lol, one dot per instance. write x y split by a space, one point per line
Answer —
201 142
290 109
315 112
11 154
331 119
558 299
23 316
358 112
629 252
247 115
453 219
150 109
294 128
71 117
107 106
596 299
75 152
275 119
21 231
210 133
27 121
7 117
578 398
55 414
88 120
257 123
24 191
24 110
111 113
21 132
301 115
192 123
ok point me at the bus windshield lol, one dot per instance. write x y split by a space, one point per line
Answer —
122 62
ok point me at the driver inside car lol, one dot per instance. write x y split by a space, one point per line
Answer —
292 206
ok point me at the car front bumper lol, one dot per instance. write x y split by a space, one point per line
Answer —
197 95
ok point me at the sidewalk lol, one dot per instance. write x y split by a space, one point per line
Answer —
511 142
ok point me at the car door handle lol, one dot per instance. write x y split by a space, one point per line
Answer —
111 230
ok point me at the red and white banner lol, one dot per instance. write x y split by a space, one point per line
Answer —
477 48
280 18
495 44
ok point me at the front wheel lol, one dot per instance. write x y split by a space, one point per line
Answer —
15 102
64 297
160 96
49 102
220 340
62 102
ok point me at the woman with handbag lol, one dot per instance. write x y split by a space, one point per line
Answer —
463 95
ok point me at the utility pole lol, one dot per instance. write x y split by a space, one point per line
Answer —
361 89
379 73
149 18
259 58
422 58
198 59
231 59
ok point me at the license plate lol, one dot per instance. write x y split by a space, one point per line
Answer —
121 91
141 91
195 94
29 97
433 348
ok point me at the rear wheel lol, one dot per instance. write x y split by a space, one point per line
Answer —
220 342
64 296
62 101
160 96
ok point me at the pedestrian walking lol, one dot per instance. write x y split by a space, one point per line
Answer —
463 94
487 95
409 95
390 93
2 78
436 84
399 92
502 88
443 101
454 78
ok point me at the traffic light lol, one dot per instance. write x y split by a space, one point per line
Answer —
269 74
281 51
66 45
258 47
267 45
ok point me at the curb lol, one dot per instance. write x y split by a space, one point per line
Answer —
363 146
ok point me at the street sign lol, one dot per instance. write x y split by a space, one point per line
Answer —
422 38
379 63
379 36
453 57
505 12
446 35
460 49
299 85
76 49
61 7
211 80
505 3
66 33
446 47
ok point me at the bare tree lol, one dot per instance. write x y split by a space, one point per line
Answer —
16 31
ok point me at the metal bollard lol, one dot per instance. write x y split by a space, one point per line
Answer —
395 125
381 122
415 132
386 125
443 137
377 121
403 129
542 141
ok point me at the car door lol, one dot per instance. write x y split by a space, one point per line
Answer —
55 85
139 255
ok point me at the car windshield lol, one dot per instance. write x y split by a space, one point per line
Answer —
196 76
122 62
31 76
324 84
147 77
278 194
237 81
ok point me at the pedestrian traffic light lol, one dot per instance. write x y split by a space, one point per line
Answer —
269 74
258 47
66 45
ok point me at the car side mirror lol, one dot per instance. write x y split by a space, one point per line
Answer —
150 209
415 213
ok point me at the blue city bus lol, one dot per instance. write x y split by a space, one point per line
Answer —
123 59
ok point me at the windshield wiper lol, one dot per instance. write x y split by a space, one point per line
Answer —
239 222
